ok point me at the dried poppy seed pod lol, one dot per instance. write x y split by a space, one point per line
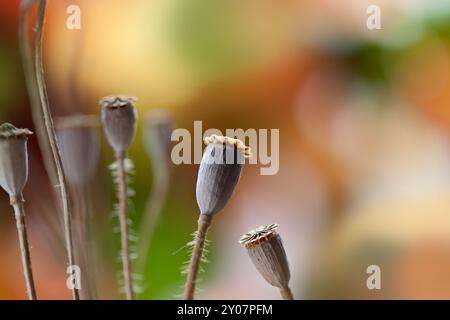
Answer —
266 250
219 172
157 135
79 143
13 177
119 121
13 159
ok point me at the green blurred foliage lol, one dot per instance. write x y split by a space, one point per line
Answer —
10 77
204 35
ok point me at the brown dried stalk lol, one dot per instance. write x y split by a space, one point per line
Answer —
19 212
204 221
123 216
30 81
50 129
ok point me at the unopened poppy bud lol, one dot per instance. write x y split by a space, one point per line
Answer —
79 143
119 121
266 250
219 172
13 159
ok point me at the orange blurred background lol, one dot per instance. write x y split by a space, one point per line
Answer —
364 119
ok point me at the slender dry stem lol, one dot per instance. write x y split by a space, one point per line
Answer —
85 245
123 217
203 224
30 81
50 129
19 211
286 293
90 245
152 211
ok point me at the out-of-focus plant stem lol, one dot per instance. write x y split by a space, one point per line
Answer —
85 247
50 129
30 81
152 211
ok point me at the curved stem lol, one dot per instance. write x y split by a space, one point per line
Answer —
286 293
123 217
50 129
203 224
30 81
19 212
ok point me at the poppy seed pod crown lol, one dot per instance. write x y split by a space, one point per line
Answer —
13 159
266 250
219 172
119 121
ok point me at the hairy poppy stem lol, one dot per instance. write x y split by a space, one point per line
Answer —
50 129
123 217
17 204
203 224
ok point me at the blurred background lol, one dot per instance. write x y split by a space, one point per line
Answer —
364 119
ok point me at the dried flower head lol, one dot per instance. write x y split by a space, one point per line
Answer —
215 139
258 233
219 172
79 143
119 121
8 131
13 159
266 250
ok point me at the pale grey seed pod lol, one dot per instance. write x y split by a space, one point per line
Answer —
119 118
13 159
219 172
79 143
266 250
157 135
